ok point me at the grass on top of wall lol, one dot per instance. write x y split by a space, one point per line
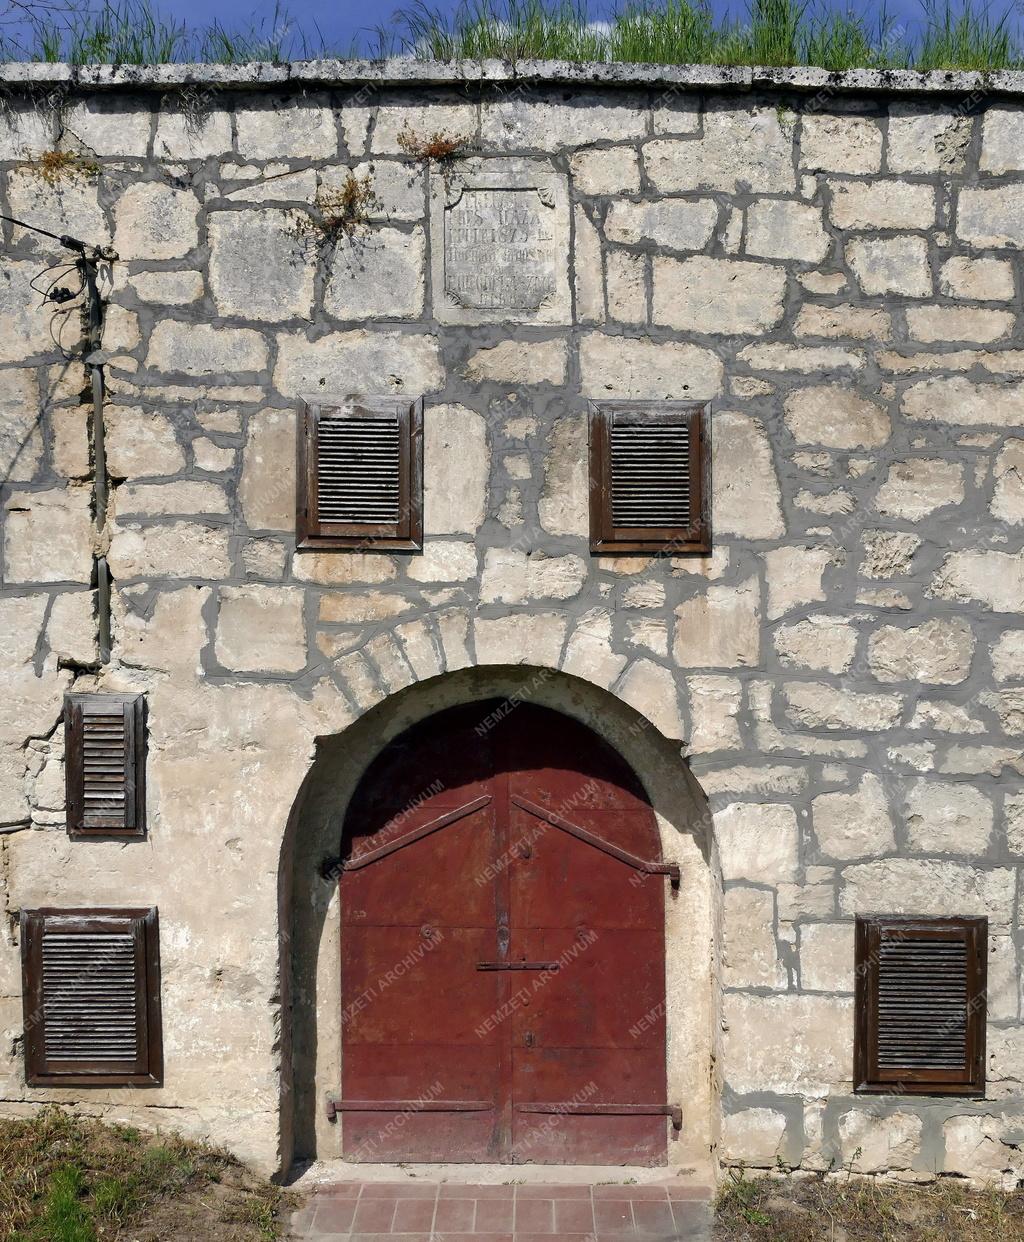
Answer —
967 34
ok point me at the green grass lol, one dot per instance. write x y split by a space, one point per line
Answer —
966 34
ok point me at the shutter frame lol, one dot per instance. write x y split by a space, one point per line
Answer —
606 537
937 1080
79 711
142 925
313 534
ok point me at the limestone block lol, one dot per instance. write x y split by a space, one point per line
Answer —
26 324
738 149
651 689
168 288
942 818
140 443
1002 139
563 507
626 286
719 629
783 229
1008 656
834 416
753 1137
334 569
419 648
959 401
727 296
171 639
175 550
757 841
1009 709
945 717
979 280
854 825
519 362
863 323
826 957
71 628
746 500
823 643
201 349
444 561
882 205
734 779
377 275
589 270
952 323
979 1147
278 127
927 887
715 704
400 187
938 652
113 125
456 468
526 121
840 143
185 497
19 416
994 579
512 576
791 1044
670 224
879 1144
924 139
795 577
358 361
48 536
919 486
750 956
815 705
266 488
1008 496
891 265
183 135
606 170
887 553
521 638
27 130
352 608
259 268
805 359
589 654
455 119
68 206
1014 814
21 619
615 366
155 221
991 217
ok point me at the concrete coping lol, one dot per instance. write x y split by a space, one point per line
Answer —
408 71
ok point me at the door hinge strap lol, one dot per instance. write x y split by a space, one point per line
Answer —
354 862
610 1110
335 1106
517 966
581 834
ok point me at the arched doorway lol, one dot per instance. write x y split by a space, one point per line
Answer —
503 948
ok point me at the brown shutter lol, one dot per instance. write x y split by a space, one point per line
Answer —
104 763
649 477
920 1007
360 475
91 982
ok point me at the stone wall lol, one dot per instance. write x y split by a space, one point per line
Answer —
838 273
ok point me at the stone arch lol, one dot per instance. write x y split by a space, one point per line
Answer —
309 916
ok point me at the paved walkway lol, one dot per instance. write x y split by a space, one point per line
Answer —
451 1212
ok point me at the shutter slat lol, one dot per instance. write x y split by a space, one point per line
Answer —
104 768
650 474
922 1004
104 743
90 985
358 469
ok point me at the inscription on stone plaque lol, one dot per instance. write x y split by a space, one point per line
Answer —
499 249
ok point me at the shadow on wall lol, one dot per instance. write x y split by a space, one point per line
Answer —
311 1000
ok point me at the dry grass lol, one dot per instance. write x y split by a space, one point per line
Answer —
855 1210
339 213
441 146
57 166
64 1178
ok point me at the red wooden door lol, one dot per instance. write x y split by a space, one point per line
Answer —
503 966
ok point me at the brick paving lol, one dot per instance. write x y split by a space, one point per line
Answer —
450 1212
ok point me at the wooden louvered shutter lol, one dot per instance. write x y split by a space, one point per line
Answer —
104 763
650 477
361 475
92 997
921 1006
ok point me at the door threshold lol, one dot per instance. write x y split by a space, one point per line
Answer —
308 1177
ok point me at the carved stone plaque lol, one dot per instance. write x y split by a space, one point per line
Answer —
500 244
